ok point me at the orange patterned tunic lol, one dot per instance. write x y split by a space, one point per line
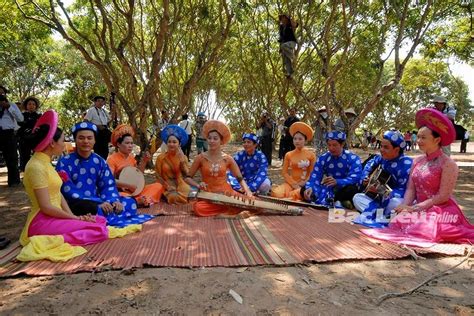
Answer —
171 169
301 163
117 161
214 175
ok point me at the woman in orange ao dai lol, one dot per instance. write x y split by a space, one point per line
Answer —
172 165
213 165
122 139
297 164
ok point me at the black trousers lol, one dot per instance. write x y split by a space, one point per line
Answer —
340 194
463 145
266 147
9 148
83 207
286 145
345 193
187 148
25 153
282 148
101 146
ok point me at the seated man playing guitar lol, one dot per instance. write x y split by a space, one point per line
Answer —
384 190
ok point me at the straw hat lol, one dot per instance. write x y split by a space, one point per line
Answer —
219 127
303 128
119 131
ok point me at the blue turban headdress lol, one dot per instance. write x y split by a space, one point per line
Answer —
251 137
335 135
395 138
176 131
84 126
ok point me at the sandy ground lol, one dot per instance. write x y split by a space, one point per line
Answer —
335 288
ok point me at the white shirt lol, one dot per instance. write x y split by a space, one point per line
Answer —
10 117
97 116
450 112
187 126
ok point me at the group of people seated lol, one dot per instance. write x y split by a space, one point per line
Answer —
83 200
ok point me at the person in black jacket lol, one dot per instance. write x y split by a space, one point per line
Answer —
287 42
286 140
30 116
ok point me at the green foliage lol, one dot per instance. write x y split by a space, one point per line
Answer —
454 37
82 83
30 61
421 81
223 57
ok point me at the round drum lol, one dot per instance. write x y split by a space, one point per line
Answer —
133 176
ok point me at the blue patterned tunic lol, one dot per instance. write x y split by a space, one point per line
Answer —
346 169
91 179
253 168
399 170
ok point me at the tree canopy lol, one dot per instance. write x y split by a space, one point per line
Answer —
382 58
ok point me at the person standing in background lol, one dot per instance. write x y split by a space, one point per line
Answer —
98 115
286 144
413 140
10 116
407 138
187 125
201 142
464 142
30 116
440 103
266 131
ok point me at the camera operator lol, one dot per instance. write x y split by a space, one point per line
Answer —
10 115
266 131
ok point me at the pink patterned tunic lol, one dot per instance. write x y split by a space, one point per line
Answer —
438 217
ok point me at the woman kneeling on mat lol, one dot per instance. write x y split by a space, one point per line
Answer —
172 167
213 166
50 213
122 139
429 214
300 161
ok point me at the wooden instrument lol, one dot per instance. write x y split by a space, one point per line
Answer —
246 203
378 179
133 176
293 202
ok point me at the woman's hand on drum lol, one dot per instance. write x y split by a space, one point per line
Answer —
129 187
203 186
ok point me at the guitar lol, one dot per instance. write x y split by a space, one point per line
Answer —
377 187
